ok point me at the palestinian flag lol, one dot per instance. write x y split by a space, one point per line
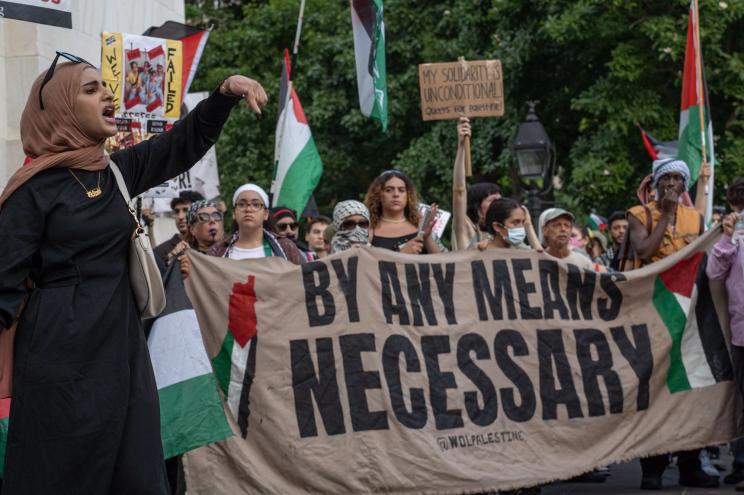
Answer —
191 412
369 51
193 40
4 420
658 149
596 222
694 96
297 165
699 355
235 365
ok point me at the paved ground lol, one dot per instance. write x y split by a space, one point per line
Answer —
626 479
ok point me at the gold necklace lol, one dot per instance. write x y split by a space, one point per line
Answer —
91 193
392 220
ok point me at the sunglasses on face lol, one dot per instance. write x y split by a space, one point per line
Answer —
351 224
281 227
205 217
72 58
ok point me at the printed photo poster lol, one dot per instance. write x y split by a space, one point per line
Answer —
145 75
442 219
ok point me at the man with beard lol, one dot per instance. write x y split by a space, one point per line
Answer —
283 224
617 226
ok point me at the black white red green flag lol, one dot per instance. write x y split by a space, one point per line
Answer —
695 133
369 51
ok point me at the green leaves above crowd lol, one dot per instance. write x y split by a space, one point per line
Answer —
597 67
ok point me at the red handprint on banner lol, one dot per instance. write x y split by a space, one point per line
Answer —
242 313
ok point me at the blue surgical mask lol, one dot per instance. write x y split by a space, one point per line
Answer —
515 236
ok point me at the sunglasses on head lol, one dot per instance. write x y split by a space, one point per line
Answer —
205 217
281 227
72 58
392 171
352 224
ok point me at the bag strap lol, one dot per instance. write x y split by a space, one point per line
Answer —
120 182
138 230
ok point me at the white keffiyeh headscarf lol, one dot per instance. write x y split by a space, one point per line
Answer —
343 239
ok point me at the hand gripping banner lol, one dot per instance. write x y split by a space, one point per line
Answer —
372 371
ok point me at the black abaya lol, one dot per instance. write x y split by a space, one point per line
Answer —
84 415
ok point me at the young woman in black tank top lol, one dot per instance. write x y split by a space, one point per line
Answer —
393 208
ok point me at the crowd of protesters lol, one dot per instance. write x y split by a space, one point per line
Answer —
391 217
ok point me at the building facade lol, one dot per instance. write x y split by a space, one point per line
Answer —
27 49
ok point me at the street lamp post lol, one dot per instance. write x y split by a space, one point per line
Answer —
535 157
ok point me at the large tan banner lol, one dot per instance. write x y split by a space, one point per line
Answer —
373 371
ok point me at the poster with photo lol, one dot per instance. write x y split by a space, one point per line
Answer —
145 75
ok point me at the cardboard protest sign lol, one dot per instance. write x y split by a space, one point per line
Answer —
371 371
469 88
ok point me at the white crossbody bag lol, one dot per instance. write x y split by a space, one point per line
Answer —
144 275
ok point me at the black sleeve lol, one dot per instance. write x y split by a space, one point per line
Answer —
22 224
163 157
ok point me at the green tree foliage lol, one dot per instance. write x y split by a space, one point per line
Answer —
597 67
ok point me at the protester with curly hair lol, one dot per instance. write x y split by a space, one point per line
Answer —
393 207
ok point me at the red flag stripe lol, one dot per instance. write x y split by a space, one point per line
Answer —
680 279
689 82
156 52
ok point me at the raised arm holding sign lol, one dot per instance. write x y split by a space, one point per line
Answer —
461 90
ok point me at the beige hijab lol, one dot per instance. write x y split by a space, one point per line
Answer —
53 137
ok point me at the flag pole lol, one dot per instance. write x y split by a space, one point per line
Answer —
700 89
296 46
699 79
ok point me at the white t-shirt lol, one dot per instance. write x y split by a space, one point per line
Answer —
243 254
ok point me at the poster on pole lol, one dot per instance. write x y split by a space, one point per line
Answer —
145 75
464 88
55 13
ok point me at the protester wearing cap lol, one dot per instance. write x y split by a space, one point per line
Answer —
664 226
597 246
249 239
351 225
657 230
555 230
283 224
179 206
